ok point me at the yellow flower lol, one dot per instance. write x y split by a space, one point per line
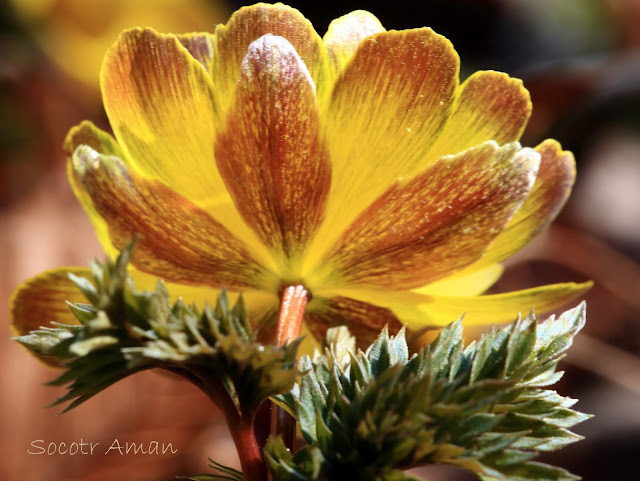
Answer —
356 165
75 33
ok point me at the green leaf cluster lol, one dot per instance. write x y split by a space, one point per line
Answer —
123 331
485 407
364 415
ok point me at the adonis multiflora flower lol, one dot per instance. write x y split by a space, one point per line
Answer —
355 165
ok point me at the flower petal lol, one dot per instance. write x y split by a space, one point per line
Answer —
200 46
365 320
420 311
159 100
250 23
256 302
181 242
435 224
385 110
488 106
86 133
547 197
471 284
40 300
271 157
345 35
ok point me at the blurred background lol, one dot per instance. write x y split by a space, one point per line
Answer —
579 58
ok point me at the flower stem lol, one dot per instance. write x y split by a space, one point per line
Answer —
253 466
240 425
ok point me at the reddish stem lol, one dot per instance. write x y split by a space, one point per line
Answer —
240 426
253 467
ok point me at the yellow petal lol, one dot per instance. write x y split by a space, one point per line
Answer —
180 241
385 110
365 320
420 311
270 155
250 23
488 106
345 35
40 301
433 225
257 302
159 100
547 197
471 284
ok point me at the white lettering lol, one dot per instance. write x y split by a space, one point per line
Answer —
115 445
33 444
136 449
168 447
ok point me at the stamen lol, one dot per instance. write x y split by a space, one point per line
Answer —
293 302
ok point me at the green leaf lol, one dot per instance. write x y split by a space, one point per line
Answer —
124 331
483 408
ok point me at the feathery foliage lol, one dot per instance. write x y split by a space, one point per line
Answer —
365 416
123 331
484 408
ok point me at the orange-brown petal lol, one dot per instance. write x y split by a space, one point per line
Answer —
160 104
273 162
86 133
547 197
364 320
435 224
200 46
250 23
180 241
41 300
385 110
488 106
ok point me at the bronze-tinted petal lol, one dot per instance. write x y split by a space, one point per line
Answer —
385 110
434 224
42 300
364 320
488 106
160 103
270 155
200 46
249 24
180 241
547 197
